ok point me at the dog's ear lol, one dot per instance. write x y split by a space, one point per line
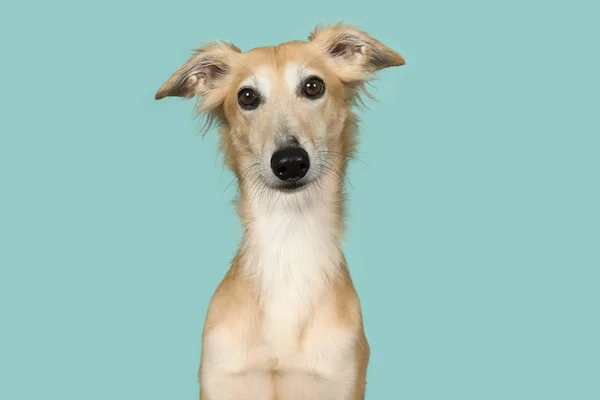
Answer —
354 52
203 74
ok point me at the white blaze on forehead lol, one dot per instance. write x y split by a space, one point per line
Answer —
292 75
261 80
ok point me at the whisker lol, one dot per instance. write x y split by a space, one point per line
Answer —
329 168
243 175
338 154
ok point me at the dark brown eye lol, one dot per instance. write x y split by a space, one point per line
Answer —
313 88
248 99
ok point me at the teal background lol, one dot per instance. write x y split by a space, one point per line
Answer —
473 240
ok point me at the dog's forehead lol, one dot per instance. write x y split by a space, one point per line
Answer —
268 66
288 51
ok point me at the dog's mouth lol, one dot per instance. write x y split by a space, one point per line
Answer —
288 187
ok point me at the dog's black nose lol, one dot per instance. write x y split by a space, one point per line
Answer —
290 164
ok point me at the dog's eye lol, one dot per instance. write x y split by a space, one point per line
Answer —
248 99
313 88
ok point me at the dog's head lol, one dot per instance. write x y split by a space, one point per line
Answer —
283 108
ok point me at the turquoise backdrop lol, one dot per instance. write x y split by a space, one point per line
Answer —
474 230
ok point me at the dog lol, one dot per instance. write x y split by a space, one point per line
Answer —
285 323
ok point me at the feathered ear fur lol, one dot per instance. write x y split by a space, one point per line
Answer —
204 75
356 54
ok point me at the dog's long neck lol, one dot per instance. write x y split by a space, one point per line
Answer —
291 250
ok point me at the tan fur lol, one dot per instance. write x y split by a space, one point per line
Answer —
285 323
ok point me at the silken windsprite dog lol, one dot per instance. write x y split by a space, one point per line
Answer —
285 323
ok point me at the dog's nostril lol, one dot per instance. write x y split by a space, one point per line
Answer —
290 164
281 170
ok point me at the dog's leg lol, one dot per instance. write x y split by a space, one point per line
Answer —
253 386
362 361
